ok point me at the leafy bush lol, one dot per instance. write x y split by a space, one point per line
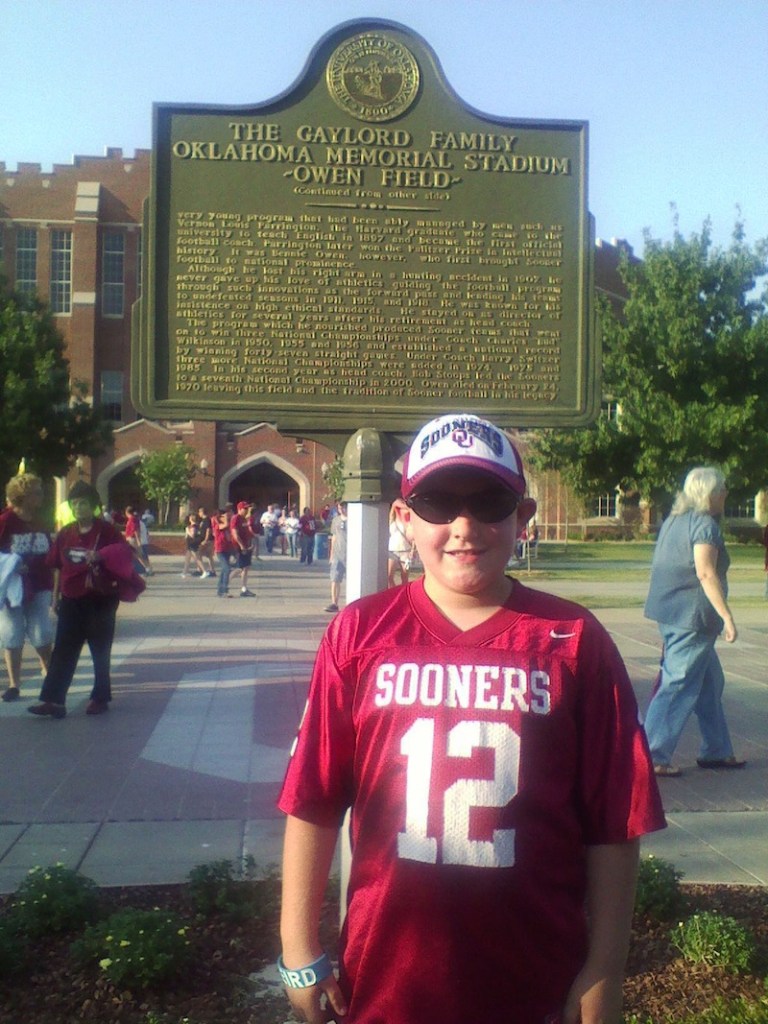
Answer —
658 889
53 899
710 938
136 948
14 949
234 893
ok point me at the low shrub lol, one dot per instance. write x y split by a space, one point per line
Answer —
14 949
711 938
53 899
658 894
221 888
136 948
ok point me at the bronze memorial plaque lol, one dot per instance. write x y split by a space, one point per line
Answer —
366 250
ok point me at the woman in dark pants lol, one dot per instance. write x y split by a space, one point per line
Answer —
84 614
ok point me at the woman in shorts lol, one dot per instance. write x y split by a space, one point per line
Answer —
192 540
24 544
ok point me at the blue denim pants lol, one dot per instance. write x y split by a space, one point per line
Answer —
225 568
691 681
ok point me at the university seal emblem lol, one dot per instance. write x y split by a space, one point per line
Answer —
373 77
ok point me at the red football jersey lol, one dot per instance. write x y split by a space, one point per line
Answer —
478 765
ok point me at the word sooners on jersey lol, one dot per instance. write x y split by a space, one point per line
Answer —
478 765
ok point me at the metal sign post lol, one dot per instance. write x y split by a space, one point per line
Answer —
369 490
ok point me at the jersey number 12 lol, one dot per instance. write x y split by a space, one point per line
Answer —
418 746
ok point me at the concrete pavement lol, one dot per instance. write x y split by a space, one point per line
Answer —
208 693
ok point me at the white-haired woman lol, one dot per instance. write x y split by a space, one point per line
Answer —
688 599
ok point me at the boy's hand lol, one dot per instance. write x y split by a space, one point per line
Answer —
594 998
306 1002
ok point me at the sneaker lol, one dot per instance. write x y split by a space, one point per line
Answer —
12 693
332 608
96 707
225 595
185 575
48 710
246 593
205 575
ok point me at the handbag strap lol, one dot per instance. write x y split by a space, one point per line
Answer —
97 538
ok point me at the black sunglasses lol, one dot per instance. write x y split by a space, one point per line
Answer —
489 506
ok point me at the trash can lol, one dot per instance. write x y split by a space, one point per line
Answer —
322 546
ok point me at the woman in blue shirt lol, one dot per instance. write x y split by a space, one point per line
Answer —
688 598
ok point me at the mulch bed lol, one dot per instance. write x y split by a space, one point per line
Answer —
216 989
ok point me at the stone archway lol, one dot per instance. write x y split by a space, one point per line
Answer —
266 479
123 466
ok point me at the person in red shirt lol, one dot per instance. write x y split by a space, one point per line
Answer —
486 738
224 548
307 531
242 540
133 536
25 543
84 615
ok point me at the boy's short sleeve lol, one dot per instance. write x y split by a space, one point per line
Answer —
318 782
619 796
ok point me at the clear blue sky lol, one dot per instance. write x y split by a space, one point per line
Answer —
676 91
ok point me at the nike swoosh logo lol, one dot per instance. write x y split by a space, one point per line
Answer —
560 636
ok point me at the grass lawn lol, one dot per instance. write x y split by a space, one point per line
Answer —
629 562
614 561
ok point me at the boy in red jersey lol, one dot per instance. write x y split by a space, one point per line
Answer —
486 738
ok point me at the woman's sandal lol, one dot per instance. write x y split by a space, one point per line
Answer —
720 763
667 771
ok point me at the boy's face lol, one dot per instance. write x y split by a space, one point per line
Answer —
82 509
465 557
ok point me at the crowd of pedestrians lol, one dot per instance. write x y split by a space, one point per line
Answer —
97 558
237 534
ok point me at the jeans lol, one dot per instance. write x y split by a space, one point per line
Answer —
269 538
291 538
81 620
225 568
691 681
307 548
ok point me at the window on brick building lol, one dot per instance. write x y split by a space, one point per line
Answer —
610 410
604 506
26 260
740 509
61 272
113 273
112 394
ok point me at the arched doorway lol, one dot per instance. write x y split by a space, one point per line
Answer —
124 489
264 484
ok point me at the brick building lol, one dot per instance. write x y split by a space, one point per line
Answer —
74 236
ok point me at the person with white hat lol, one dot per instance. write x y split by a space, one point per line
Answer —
486 738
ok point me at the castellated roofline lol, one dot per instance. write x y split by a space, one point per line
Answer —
111 153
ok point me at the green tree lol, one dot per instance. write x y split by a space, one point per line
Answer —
44 417
166 476
686 362
333 478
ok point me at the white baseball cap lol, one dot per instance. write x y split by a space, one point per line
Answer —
462 440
